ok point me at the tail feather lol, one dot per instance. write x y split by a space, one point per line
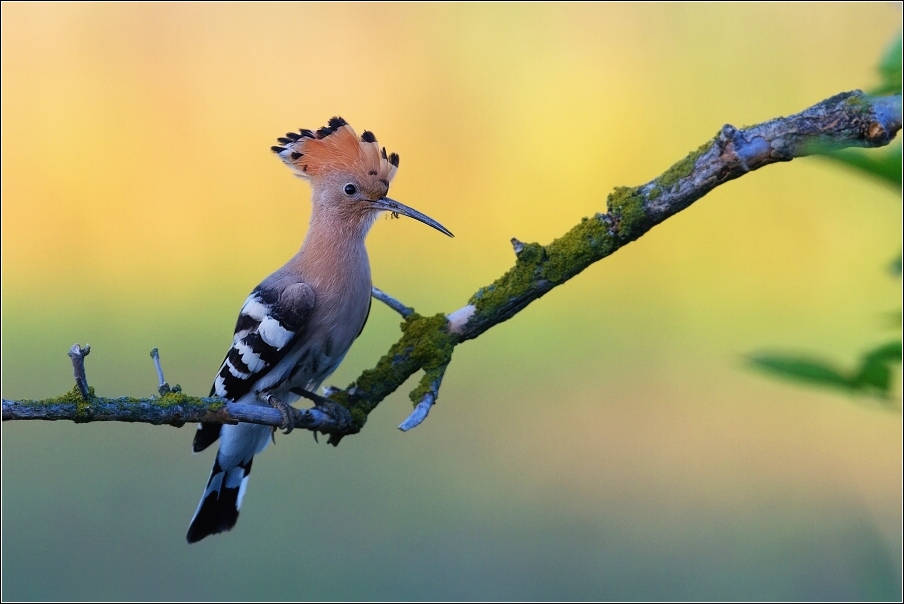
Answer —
206 435
220 503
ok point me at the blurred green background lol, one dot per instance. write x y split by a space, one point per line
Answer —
607 443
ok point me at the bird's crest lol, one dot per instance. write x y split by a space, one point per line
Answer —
311 154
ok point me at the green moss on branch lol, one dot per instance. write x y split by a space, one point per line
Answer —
425 343
626 207
173 409
587 242
513 284
683 168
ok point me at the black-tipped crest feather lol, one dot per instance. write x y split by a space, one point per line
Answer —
332 147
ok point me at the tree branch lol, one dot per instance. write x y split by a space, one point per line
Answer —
850 119
173 409
391 302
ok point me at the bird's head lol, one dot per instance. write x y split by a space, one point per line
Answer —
349 175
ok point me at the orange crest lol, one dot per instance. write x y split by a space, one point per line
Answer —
336 147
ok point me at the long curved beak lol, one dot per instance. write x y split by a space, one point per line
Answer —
391 205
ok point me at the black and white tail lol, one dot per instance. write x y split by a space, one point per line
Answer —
220 503
222 497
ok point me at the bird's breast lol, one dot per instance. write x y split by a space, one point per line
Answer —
336 320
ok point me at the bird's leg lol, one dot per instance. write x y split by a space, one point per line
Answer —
285 410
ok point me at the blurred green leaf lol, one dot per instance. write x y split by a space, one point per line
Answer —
890 69
802 369
886 164
894 267
887 353
875 370
872 377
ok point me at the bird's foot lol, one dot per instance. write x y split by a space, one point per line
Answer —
285 410
339 413
341 416
340 419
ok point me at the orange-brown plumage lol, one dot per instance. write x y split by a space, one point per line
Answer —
336 148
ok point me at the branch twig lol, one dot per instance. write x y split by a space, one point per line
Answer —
78 354
163 388
405 311
850 119
422 408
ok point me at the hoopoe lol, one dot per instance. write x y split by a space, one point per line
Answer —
296 326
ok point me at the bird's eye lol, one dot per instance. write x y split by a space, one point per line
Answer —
350 189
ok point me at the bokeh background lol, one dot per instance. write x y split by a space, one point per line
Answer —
607 443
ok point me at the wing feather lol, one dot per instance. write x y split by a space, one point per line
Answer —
268 326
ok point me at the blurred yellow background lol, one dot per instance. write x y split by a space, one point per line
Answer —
607 443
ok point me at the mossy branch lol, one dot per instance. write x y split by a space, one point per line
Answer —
850 119
172 409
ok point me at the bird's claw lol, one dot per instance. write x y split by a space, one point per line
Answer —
285 410
336 411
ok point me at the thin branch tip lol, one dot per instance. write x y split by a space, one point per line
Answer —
405 311
518 246
78 354
162 388
422 409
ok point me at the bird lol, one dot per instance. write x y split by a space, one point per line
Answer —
296 326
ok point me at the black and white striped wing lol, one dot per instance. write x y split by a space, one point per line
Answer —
267 328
